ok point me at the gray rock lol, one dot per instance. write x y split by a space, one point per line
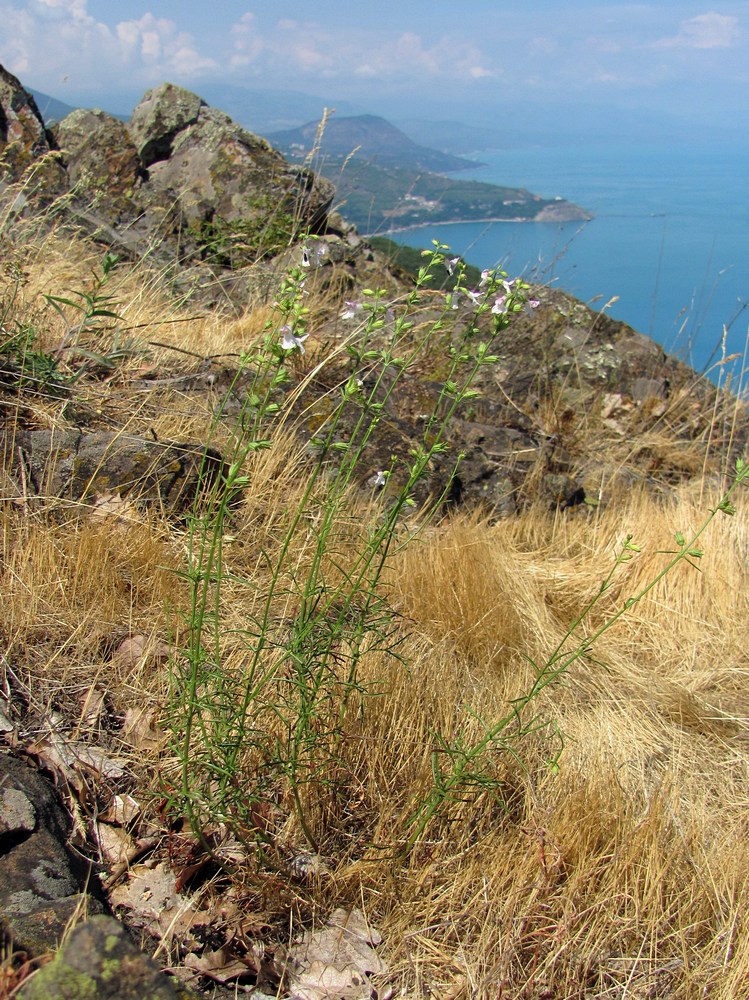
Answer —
74 465
21 124
221 175
17 814
26 151
102 163
162 114
99 962
43 885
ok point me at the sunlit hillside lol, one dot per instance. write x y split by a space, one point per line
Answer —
510 742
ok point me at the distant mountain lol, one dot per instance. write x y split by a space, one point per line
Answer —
455 137
371 138
50 108
265 111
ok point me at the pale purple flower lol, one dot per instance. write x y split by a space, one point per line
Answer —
313 255
452 264
290 341
485 277
500 305
534 303
476 298
352 310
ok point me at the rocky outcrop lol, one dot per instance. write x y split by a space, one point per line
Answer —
28 164
50 895
99 960
79 465
43 884
23 136
181 181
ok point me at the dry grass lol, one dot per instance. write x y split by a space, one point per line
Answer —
622 872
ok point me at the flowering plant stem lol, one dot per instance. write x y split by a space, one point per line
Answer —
284 718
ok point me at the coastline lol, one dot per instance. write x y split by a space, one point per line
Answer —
582 217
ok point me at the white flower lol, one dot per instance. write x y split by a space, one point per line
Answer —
500 305
475 297
290 341
313 255
381 478
452 264
485 277
352 310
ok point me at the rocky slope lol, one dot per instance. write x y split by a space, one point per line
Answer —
573 407
217 209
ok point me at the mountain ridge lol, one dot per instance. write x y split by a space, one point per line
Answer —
372 137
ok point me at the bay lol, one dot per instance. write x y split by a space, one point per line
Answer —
667 250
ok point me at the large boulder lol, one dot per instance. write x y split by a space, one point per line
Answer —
26 150
23 136
102 163
43 884
78 465
231 187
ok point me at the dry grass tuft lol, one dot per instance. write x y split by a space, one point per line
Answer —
621 872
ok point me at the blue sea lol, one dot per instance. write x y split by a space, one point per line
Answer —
667 250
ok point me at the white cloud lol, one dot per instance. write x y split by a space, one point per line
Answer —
89 54
408 56
705 31
75 8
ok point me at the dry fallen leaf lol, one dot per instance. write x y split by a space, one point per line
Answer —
114 843
154 904
136 648
93 705
139 731
223 965
336 961
113 506
121 811
73 761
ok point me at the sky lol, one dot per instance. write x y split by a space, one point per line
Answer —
480 59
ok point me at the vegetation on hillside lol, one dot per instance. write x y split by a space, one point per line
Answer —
518 745
377 198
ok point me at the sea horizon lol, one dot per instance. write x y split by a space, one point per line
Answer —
665 251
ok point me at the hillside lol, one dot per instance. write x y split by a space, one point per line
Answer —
50 108
357 638
385 182
369 138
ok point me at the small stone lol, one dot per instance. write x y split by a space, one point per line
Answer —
17 814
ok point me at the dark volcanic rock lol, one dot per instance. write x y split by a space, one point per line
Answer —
42 883
75 465
21 124
26 151
102 162
100 961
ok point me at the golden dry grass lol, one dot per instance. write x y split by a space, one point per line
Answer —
623 871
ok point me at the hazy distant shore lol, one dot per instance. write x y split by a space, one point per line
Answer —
580 216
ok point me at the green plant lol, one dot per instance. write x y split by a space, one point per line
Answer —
272 731
23 364
98 317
